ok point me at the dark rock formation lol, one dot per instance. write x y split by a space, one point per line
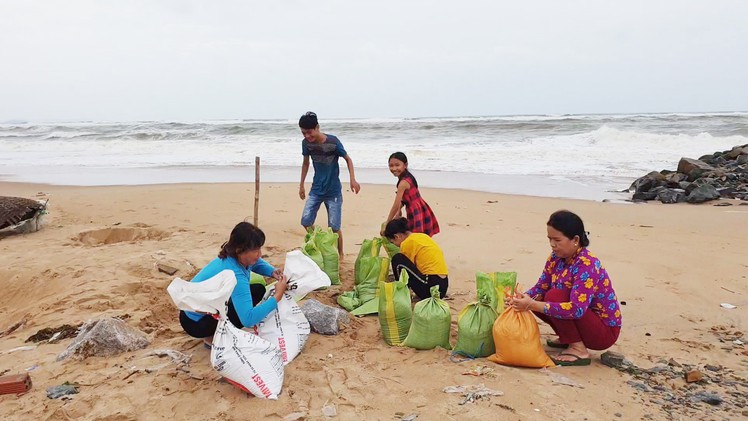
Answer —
719 175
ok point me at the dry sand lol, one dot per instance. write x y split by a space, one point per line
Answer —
673 265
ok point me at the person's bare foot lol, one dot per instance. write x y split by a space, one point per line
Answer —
574 352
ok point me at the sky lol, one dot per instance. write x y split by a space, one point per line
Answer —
188 60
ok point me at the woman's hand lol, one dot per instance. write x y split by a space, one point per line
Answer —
520 302
280 288
278 274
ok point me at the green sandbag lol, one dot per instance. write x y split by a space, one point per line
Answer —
371 271
497 286
395 313
431 323
475 329
349 300
369 248
256 278
369 307
327 242
310 249
390 248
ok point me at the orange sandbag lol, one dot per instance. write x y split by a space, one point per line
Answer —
517 340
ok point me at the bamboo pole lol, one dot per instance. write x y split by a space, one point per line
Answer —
257 189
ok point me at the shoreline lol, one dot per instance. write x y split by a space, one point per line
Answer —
563 187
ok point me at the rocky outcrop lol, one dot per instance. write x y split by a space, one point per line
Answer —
719 175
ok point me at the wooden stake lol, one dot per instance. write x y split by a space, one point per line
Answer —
257 189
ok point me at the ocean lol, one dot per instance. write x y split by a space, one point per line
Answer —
575 156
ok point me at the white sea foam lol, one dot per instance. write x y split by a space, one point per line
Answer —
559 146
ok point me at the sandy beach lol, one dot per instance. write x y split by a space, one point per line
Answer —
671 264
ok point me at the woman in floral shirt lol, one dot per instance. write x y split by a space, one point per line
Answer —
574 294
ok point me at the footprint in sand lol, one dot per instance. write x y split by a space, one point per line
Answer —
104 236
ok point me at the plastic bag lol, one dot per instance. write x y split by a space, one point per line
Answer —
390 248
304 275
322 247
312 251
369 248
247 361
432 320
287 327
497 285
395 313
209 296
370 272
475 329
517 339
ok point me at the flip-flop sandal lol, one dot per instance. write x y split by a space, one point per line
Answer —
577 361
553 344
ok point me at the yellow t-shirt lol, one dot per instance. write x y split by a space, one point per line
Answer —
425 253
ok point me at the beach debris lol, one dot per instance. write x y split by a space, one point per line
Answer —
561 379
65 389
329 409
614 360
166 269
472 393
295 416
19 215
324 319
18 348
480 370
53 334
507 407
708 397
410 417
32 368
181 360
728 306
104 337
15 326
15 384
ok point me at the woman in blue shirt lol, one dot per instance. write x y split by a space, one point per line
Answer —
241 254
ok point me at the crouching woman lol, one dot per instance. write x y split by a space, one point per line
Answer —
574 294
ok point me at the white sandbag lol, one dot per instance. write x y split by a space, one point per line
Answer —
247 361
304 276
286 327
209 296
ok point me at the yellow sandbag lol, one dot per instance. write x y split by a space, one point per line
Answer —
517 339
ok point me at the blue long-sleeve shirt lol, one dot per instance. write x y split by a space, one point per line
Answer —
241 297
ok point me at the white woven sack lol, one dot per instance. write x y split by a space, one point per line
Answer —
304 276
209 296
247 361
287 327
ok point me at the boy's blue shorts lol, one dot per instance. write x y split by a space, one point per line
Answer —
334 206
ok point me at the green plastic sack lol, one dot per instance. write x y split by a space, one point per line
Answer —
256 278
497 286
372 271
390 248
431 322
310 249
475 329
395 313
369 248
349 300
322 247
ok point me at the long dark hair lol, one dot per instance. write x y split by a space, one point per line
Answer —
569 224
396 226
401 157
244 236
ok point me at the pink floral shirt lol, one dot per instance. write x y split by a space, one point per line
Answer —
588 284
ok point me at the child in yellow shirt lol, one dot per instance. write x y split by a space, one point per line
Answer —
421 256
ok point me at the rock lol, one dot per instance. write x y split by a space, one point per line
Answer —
686 165
648 182
708 397
723 204
702 194
713 367
166 269
671 196
613 359
693 376
323 319
105 337
55 392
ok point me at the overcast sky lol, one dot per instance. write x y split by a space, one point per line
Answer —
190 60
